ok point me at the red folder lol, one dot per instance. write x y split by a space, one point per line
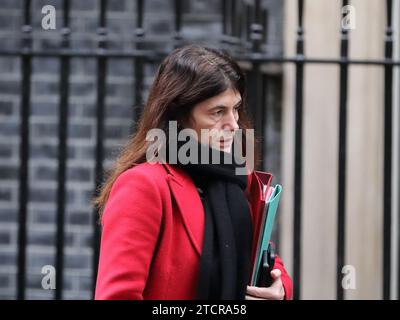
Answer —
260 183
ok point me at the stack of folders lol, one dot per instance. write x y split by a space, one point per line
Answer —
263 256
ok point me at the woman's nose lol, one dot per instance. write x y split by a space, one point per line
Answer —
231 122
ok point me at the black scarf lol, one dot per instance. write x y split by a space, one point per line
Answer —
225 260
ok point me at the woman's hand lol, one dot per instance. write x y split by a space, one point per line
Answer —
274 292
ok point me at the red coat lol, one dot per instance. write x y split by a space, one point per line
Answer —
152 236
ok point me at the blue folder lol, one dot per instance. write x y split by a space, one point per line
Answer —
271 209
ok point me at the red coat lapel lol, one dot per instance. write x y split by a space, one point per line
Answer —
188 201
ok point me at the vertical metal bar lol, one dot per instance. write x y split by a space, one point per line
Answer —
256 102
239 20
62 153
264 22
264 88
226 25
233 19
139 77
341 214
248 20
234 25
224 17
298 154
178 23
256 27
139 63
139 18
26 70
101 86
387 184
256 77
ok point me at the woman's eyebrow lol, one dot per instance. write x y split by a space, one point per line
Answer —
224 106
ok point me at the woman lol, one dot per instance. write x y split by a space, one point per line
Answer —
179 230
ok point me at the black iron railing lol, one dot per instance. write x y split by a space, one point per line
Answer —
243 34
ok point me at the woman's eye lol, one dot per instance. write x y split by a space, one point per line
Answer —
218 113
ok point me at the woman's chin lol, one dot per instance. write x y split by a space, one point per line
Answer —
225 147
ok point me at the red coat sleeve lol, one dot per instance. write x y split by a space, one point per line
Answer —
286 280
131 223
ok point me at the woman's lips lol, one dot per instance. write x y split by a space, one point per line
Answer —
225 141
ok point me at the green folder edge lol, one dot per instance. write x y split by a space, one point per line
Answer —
272 209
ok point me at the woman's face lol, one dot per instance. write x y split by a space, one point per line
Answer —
218 114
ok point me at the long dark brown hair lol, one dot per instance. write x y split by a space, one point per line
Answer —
187 76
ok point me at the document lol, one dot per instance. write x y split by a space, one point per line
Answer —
272 196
